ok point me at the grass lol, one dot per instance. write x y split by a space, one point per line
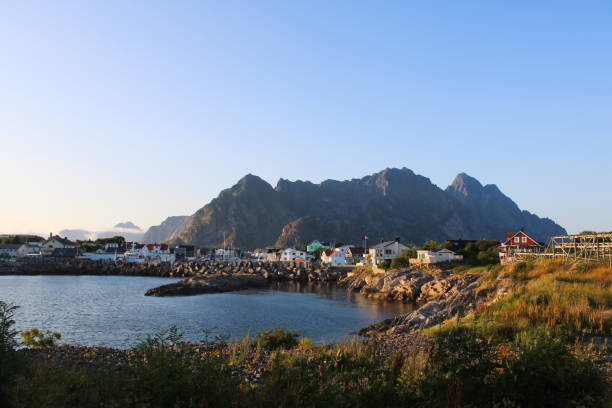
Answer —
568 301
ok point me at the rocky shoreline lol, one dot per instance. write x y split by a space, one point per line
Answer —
437 294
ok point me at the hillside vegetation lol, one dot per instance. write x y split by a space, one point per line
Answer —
568 301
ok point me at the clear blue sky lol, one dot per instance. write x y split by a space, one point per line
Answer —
117 110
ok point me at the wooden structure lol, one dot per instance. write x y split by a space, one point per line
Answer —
588 247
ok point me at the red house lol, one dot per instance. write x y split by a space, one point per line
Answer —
518 245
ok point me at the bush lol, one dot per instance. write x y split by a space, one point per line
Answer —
10 362
166 374
545 374
400 262
35 338
520 271
275 339
161 373
305 343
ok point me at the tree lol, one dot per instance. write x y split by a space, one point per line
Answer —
114 240
317 253
429 245
10 361
448 245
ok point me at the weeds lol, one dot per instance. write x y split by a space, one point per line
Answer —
36 338
276 339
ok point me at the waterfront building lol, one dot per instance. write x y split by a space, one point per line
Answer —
355 255
518 245
386 251
56 242
9 250
294 255
314 245
437 256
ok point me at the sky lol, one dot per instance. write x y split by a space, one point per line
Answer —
113 110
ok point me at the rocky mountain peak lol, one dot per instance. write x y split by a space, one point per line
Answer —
464 186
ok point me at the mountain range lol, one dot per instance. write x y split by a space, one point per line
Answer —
388 204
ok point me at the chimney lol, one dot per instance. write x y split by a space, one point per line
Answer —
397 239
50 235
522 229
382 240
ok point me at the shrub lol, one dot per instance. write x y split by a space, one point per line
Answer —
9 359
7 332
305 343
520 271
400 262
545 374
35 338
165 374
275 339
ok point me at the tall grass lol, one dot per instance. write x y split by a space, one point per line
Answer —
562 299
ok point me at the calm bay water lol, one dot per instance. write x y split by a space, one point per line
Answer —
113 310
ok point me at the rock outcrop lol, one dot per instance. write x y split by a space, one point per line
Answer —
166 230
209 284
437 295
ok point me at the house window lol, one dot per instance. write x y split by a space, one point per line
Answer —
387 252
516 239
524 239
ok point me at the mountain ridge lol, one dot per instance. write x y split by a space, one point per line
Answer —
393 202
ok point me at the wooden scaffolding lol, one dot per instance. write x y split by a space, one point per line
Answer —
588 247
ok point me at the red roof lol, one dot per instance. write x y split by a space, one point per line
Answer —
521 234
164 247
329 252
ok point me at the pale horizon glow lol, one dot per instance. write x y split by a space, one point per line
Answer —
135 111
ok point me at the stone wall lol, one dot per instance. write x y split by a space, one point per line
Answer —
268 270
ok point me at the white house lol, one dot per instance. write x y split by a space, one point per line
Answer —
56 242
355 255
437 256
293 255
9 250
385 251
336 256
157 252
225 254
29 249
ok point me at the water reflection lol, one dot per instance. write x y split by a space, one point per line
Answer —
114 311
331 291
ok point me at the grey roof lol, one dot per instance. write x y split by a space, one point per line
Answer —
442 249
385 244
10 246
357 250
63 241
64 252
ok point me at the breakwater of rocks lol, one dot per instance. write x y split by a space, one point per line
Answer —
266 270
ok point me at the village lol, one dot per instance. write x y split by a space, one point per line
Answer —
385 254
